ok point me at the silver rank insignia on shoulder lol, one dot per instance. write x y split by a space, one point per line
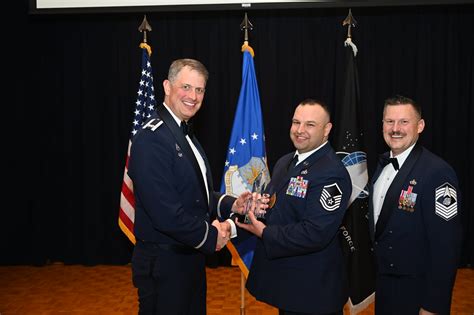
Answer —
331 197
446 201
153 124
304 172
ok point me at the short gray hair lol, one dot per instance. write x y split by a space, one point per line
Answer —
179 64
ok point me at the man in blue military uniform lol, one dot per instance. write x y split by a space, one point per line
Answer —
414 222
298 264
175 201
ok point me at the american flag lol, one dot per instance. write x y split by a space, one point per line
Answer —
144 106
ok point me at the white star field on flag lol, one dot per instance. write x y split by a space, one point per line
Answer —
145 103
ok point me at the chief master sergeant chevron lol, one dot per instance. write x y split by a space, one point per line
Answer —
413 219
175 201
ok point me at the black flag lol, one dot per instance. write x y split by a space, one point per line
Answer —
349 146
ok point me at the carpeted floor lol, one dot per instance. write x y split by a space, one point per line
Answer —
59 289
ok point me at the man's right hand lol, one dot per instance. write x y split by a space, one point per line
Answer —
223 233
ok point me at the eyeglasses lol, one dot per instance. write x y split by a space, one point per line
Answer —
189 87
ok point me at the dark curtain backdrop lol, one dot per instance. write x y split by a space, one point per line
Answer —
71 83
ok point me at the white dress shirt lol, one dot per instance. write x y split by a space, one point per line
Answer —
198 155
385 180
203 168
303 156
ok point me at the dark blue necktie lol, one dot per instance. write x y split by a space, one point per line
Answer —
293 162
187 128
384 160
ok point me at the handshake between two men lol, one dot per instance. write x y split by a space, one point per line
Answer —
250 207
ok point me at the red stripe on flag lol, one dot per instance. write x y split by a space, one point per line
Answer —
125 219
145 106
128 157
128 194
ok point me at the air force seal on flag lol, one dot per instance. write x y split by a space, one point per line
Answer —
446 201
331 197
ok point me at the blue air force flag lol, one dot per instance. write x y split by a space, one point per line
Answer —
246 166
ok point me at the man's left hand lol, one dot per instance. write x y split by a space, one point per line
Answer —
255 227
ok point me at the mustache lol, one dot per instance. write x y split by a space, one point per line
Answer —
396 133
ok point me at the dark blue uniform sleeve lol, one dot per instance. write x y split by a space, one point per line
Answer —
441 203
224 205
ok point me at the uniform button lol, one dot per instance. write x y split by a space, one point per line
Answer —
371 249
391 265
390 232
390 247
376 243
197 200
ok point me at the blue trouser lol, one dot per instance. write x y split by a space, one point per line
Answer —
169 282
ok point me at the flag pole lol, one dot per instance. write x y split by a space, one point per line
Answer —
242 293
244 26
350 21
144 104
358 256
144 27
245 168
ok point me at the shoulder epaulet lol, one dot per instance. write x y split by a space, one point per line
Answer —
153 124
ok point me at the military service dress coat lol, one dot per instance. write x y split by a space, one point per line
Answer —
417 237
173 216
298 263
